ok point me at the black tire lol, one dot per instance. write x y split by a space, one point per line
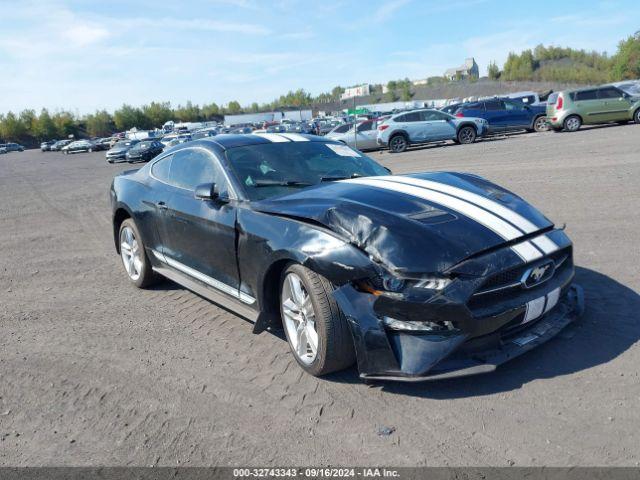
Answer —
147 276
572 123
335 349
110 161
398 143
466 135
636 116
540 124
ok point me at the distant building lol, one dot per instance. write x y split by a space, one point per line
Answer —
359 91
469 69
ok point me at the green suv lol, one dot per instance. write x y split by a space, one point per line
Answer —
570 109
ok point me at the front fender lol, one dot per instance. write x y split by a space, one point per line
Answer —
265 240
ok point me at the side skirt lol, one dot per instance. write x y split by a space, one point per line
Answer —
209 293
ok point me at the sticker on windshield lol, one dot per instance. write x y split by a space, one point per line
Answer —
343 150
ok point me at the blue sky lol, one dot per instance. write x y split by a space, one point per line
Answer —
83 55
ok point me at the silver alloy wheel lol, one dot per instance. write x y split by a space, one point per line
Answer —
299 319
638 116
573 124
466 135
130 253
541 124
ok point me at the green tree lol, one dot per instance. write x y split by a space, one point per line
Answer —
188 113
157 113
127 117
44 128
626 62
65 124
210 111
255 108
405 93
99 124
12 129
493 71
234 107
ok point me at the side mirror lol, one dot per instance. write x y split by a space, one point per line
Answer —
207 191
388 170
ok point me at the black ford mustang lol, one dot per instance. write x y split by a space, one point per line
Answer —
414 277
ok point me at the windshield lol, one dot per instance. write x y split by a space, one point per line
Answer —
267 170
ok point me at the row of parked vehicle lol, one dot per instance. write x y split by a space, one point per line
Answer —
10 147
465 122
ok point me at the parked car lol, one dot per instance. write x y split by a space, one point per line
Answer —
451 109
414 276
528 98
79 146
632 87
2 150
12 147
276 129
102 143
144 151
424 126
56 147
363 138
46 146
506 115
570 109
119 151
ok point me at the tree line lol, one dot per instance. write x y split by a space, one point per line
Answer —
552 64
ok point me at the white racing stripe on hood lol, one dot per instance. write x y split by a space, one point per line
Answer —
273 137
526 251
494 207
296 137
545 244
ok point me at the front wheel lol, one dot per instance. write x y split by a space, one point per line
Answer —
636 116
133 255
398 144
540 124
572 123
316 329
466 135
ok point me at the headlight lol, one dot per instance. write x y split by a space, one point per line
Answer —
392 285
433 283
415 326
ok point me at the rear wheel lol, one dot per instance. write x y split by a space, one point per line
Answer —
636 116
466 135
572 123
398 143
133 255
540 124
317 332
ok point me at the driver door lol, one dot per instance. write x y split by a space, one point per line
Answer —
200 234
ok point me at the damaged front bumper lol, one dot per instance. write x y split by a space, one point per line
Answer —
478 345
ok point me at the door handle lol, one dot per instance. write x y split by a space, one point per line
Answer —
161 205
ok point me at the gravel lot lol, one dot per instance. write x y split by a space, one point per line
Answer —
95 372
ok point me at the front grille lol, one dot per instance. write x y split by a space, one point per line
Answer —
506 285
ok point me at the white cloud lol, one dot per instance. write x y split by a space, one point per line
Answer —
83 35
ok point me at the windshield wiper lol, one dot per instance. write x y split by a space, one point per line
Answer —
341 177
280 183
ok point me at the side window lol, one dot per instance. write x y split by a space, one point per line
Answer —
409 117
343 128
512 106
586 95
493 105
191 167
431 116
160 169
609 92
365 127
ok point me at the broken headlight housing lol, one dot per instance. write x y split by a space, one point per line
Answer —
417 326
388 283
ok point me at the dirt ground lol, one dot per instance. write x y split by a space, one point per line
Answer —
95 372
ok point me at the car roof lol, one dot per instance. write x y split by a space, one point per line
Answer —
227 141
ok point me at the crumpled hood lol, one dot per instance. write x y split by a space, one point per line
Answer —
422 223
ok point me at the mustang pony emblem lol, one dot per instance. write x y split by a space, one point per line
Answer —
538 272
